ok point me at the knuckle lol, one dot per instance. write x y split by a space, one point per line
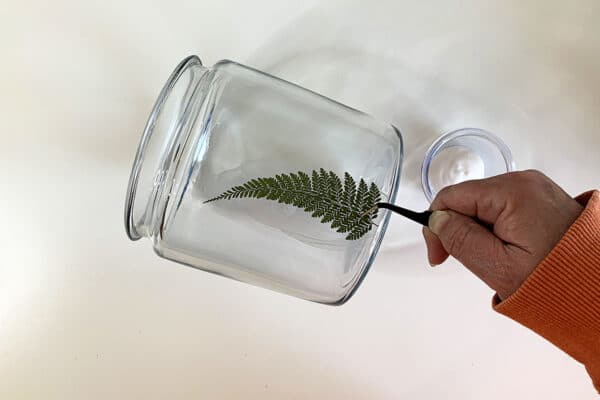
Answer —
537 182
532 176
532 172
525 184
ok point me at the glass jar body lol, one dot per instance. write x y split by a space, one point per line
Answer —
215 128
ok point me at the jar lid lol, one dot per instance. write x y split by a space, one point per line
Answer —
462 155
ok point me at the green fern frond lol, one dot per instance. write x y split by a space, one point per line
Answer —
350 209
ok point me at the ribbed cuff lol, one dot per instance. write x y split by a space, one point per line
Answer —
560 300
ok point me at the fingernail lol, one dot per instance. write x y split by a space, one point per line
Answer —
432 265
437 220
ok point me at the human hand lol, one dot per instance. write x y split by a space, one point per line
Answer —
520 216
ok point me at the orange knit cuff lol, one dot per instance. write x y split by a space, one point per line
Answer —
560 300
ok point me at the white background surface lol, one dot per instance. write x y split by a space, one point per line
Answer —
84 313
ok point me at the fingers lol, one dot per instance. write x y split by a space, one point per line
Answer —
435 250
479 198
470 243
468 198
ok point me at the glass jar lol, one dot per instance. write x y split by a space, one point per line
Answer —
218 127
215 128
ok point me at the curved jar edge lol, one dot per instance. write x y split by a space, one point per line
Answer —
374 249
155 166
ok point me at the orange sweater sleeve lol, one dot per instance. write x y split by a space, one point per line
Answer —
560 300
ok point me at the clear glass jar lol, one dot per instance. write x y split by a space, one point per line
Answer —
214 128
218 127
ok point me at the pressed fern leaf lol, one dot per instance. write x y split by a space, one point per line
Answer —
350 208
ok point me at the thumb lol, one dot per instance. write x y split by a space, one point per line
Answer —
472 244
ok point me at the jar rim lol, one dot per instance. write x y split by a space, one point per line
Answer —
189 61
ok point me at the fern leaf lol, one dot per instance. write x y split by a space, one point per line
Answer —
350 209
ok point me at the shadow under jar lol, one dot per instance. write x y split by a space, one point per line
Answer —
218 127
